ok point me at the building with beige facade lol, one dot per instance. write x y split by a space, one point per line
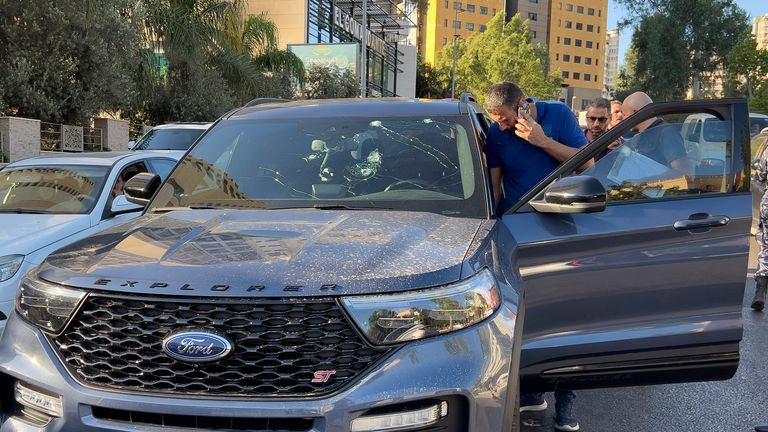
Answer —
577 34
332 31
760 31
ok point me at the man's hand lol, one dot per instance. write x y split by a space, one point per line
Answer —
527 129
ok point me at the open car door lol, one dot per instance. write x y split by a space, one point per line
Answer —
633 270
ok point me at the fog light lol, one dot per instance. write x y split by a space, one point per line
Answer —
400 421
48 404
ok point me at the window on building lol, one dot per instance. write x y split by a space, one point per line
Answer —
560 6
598 29
599 12
483 10
568 24
598 45
576 75
558 39
566 57
578 42
579 26
445 41
591 11
483 28
580 9
457 5
565 74
577 59
590 27
533 34
470 26
470 8
532 16
589 44
533 1
569 7
588 60
494 11
445 3
585 104
587 77
445 23
457 24
595 78
596 60
566 41
557 56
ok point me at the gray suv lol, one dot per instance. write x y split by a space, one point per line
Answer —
339 266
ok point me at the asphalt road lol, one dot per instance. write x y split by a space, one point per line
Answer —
735 405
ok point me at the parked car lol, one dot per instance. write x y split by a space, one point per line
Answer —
698 127
338 266
171 136
48 202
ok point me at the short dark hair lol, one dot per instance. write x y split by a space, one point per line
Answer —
501 94
600 103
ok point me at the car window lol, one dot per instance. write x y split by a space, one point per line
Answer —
664 161
161 167
425 163
69 189
168 139
756 124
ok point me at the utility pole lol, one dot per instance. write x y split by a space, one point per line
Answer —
364 53
455 37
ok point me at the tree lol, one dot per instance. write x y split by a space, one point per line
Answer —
65 62
701 31
504 52
323 82
747 63
429 83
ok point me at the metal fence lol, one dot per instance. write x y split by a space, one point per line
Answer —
66 138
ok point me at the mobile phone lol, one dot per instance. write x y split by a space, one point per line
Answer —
524 108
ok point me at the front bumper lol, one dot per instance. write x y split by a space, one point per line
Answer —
469 369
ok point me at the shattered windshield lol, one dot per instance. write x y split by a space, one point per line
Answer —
403 163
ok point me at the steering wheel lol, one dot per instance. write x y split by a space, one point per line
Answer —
421 184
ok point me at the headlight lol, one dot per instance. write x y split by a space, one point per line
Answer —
395 318
46 305
9 265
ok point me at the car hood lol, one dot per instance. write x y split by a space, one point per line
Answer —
26 233
269 253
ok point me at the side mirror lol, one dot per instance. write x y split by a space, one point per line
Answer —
140 188
131 144
120 205
577 194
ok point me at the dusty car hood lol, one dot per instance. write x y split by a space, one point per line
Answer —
26 233
269 253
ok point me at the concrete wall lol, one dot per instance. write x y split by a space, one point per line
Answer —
21 137
406 80
114 133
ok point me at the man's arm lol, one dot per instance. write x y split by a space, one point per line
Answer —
496 174
529 130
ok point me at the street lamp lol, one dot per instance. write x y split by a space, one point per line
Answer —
455 36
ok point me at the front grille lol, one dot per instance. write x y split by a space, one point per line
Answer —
116 342
197 423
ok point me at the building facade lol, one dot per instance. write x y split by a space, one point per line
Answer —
389 57
577 34
760 30
445 20
537 14
611 61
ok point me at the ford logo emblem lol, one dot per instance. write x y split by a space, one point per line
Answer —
197 346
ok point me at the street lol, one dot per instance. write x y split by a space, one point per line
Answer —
734 405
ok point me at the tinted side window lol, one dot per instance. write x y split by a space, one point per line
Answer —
665 161
161 167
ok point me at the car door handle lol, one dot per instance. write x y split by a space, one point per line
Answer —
708 222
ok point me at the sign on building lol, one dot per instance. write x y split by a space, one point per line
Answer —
341 55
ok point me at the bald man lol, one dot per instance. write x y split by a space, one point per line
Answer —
656 139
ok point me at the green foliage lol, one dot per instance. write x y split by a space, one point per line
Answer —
747 67
65 62
429 83
504 52
679 40
324 82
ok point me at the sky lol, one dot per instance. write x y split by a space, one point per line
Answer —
616 12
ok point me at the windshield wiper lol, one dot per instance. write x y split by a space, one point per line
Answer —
23 211
344 207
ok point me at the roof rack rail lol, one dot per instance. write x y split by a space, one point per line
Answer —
259 101
467 97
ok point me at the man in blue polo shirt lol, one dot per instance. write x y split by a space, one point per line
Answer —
522 150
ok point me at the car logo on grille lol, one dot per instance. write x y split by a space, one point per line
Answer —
197 346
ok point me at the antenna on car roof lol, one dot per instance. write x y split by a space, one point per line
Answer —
467 97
